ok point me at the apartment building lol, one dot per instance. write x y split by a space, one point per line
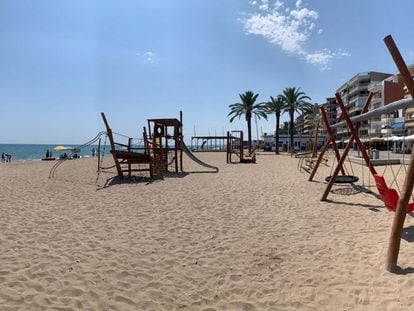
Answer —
387 91
330 107
305 122
300 124
354 94
308 123
409 113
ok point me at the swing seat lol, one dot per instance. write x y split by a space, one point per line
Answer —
343 179
390 196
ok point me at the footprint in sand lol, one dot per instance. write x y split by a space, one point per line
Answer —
235 277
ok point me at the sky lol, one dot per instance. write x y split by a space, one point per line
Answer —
63 62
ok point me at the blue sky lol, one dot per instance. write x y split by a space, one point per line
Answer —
62 62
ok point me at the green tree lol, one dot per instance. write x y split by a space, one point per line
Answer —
276 106
295 101
248 107
285 128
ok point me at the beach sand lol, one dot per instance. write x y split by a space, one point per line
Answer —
252 237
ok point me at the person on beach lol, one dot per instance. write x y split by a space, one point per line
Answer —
47 153
8 158
93 152
2 157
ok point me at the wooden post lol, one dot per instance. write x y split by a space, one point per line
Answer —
181 141
354 135
320 157
99 155
355 130
315 141
325 148
407 189
111 140
241 146
331 134
228 148
129 150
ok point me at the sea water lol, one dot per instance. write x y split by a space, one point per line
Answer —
27 152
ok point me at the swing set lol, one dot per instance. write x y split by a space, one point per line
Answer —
390 196
346 177
235 152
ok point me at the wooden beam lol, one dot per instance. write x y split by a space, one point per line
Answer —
320 157
325 148
331 139
407 189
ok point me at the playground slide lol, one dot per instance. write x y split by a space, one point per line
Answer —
197 160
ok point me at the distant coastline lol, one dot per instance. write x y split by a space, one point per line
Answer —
35 152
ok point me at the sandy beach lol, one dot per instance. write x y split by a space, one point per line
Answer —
252 237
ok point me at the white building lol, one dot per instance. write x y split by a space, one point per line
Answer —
300 142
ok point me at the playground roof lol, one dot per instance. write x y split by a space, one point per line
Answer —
166 122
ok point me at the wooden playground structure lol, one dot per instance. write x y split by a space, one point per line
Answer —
235 152
127 158
307 160
161 151
399 203
167 134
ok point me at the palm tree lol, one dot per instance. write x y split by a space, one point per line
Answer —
248 108
285 128
295 101
276 106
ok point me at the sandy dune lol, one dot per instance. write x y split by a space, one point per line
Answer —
252 237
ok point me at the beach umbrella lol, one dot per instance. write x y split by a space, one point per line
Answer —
60 148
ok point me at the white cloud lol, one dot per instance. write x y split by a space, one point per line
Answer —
291 29
148 57
264 5
324 58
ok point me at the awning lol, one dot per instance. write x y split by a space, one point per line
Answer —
397 125
396 138
377 139
410 137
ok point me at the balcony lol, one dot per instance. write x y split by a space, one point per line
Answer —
374 131
376 123
354 110
363 86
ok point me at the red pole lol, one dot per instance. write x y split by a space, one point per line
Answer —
355 131
331 134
